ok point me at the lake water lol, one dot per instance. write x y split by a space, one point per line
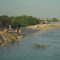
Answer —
24 50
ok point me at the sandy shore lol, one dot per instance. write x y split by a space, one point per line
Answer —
43 27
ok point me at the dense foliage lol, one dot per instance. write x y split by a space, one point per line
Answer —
4 21
20 21
53 20
23 21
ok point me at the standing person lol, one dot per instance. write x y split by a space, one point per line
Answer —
10 28
17 31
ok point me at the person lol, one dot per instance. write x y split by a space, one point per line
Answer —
17 31
10 28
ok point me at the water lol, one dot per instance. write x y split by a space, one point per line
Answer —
55 22
24 50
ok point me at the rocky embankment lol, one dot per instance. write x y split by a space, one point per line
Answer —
44 27
7 38
40 27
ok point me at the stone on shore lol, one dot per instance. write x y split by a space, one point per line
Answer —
6 37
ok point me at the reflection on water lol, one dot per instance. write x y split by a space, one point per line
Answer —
24 51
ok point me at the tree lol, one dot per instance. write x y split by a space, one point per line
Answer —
5 20
24 21
54 19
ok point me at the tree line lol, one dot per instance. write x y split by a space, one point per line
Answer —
21 21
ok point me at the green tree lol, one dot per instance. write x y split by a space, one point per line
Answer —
54 19
24 21
5 20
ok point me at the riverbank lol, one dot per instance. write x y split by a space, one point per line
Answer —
40 27
43 27
7 37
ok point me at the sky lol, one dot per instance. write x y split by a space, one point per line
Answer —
36 8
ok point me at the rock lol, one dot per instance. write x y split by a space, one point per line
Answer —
6 38
36 46
40 46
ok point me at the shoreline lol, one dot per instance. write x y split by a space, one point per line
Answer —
10 37
40 27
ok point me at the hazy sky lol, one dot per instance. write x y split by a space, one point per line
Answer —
37 8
